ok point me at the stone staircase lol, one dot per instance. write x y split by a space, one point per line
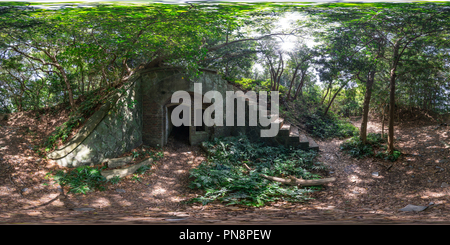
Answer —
289 136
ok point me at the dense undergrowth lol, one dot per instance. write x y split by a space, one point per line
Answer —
225 178
328 126
374 147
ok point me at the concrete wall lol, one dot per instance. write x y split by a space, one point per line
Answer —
158 85
113 130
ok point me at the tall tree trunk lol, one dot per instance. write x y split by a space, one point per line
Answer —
391 112
367 96
393 75
382 123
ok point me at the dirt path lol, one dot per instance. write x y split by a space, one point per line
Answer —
359 196
379 187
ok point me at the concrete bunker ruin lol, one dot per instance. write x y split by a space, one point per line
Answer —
140 113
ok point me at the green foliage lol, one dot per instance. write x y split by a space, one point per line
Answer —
248 84
135 154
81 179
136 178
143 169
155 154
391 157
374 142
355 148
224 178
114 180
328 126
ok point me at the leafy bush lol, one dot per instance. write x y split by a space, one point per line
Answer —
81 179
114 180
224 178
355 148
328 126
391 157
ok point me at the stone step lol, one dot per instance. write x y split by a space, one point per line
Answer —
279 121
293 138
303 142
294 132
285 129
312 144
108 174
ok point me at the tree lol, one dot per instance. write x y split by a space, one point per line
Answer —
300 61
399 28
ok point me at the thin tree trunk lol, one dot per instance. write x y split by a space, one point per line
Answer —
367 96
382 121
292 83
300 86
332 99
391 112
328 89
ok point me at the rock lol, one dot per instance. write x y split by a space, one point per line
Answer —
120 190
117 162
25 190
375 174
84 209
443 160
355 192
414 208
174 219
444 185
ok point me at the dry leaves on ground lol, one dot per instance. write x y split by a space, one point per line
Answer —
358 194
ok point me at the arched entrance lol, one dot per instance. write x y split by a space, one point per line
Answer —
192 135
178 133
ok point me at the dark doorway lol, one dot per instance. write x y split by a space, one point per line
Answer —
180 133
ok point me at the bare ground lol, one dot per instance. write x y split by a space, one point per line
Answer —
358 196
